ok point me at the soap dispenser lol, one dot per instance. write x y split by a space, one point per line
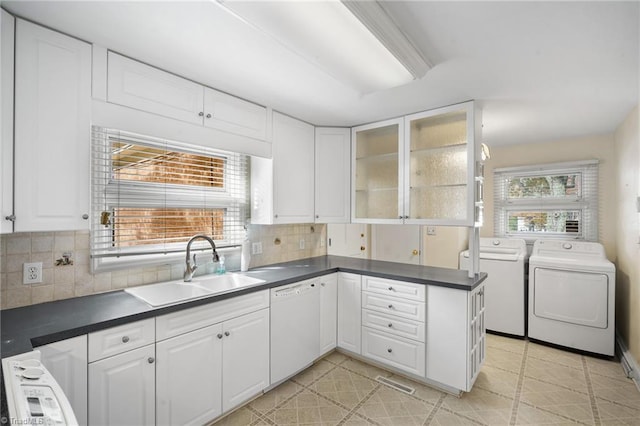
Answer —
221 268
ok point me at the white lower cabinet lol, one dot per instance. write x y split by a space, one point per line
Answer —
245 358
67 362
122 389
328 312
189 377
456 336
399 352
349 317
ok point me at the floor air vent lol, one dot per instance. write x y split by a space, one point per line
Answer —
395 385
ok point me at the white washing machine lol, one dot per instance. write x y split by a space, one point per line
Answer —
572 295
503 259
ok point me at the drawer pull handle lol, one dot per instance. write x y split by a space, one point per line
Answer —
125 339
390 325
219 335
226 333
390 306
389 350
151 360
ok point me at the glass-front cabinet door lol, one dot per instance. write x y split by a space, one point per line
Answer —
439 166
377 173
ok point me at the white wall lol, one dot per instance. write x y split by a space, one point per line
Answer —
627 188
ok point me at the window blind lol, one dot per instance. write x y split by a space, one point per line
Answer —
150 195
558 200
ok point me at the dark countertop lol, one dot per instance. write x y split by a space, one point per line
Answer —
24 328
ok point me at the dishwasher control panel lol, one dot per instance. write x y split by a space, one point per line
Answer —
292 290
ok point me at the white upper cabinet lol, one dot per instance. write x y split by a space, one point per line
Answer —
376 172
234 115
52 130
6 122
419 169
440 166
282 188
332 175
136 85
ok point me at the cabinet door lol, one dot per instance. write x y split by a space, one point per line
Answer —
328 312
52 119
349 316
293 170
234 115
351 239
6 124
122 389
136 85
440 166
245 358
396 243
189 377
377 176
67 362
333 175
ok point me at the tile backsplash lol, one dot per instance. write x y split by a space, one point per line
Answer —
66 264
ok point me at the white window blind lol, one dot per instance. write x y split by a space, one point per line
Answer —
149 196
558 200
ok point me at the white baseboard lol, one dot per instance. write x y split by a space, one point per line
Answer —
629 363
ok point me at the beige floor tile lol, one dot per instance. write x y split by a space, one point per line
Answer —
505 343
551 372
240 417
503 360
390 407
423 392
313 373
364 369
554 355
344 387
477 400
498 381
610 410
307 408
488 417
534 416
605 367
336 357
275 397
542 394
448 418
356 420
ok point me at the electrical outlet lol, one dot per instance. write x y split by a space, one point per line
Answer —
301 244
32 273
431 230
256 248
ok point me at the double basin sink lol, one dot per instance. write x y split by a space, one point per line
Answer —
178 291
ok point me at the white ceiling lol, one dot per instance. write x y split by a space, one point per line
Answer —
540 70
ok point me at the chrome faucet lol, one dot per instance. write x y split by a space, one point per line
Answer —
191 267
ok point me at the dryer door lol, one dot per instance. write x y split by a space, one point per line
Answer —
574 297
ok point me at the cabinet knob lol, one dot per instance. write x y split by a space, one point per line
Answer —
85 216
208 115
219 335
389 350
390 288
151 360
362 248
226 333
275 215
400 217
406 217
125 339
415 252
200 114
390 325
390 306
317 216
10 218
322 284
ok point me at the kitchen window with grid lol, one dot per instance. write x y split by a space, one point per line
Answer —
547 201
150 196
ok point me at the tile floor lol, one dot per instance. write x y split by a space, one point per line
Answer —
521 383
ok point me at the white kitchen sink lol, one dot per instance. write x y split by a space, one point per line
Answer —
226 282
179 291
167 293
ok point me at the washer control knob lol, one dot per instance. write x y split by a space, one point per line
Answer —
567 246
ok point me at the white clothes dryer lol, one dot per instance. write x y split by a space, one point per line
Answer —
572 295
503 259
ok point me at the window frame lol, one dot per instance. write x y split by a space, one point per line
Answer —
109 192
586 202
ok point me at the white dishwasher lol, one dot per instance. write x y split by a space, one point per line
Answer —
295 328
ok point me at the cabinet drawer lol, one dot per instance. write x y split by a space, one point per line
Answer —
393 325
412 309
394 288
192 319
120 339
398 352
